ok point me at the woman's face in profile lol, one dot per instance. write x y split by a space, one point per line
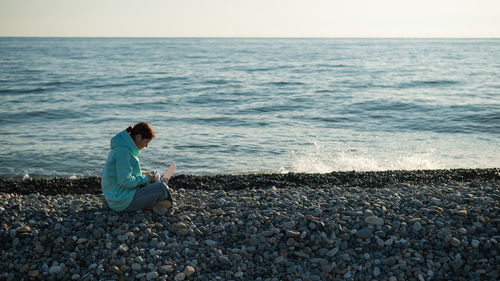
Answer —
140 142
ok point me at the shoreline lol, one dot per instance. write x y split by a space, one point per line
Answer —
421 225
370 179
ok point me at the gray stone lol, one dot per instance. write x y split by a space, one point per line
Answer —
55 269
327 268
301 254
455 242
224 260
364 233
210 243
374 220
279 260
417 227
122 237
180 276
254 242
390 261
289 225
332 252
462 231
314 277
151 275
474 243
166 268
136 267
188 271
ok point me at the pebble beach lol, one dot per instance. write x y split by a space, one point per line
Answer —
388 225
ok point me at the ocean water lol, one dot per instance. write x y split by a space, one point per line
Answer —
250 105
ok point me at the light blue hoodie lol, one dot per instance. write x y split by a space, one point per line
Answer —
122 172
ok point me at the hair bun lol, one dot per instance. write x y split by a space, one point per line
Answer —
129 129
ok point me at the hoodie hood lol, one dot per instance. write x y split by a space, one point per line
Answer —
123 139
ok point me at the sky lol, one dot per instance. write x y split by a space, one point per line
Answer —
250 18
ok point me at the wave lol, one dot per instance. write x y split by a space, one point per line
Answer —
266 69
325 65
169 79
271 108
220 82
318 158
224 121
34 90
41 115
427 83
386 105
284 83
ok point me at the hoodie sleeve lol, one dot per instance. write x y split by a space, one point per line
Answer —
124 171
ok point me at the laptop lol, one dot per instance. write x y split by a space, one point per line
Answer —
168 174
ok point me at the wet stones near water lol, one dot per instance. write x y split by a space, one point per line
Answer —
313 231
378 179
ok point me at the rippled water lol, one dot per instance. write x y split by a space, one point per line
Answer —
247 105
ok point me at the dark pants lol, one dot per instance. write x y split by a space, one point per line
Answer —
148 195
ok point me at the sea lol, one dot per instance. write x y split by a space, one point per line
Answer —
250 105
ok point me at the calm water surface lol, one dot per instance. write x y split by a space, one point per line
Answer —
250 105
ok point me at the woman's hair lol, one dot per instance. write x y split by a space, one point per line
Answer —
143 129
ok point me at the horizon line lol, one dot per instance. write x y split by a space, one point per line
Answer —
253 37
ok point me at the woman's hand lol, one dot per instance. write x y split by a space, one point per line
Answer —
152 178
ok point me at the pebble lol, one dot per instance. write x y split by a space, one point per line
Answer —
455 242
55 269
136 267
374 220
302 229
151 275
34 273
289 225
279 260
188 271
180 276
166 268
376 271
210 243
332 252
364 233
417 227
474 243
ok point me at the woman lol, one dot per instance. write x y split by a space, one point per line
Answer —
124 186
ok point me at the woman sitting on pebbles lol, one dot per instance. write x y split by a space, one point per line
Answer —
124 186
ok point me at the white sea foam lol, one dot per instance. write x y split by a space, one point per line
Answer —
319 158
